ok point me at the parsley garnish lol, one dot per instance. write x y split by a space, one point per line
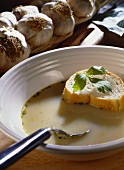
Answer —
96 70
80 81
81 78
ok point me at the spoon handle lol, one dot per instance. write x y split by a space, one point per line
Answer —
21 148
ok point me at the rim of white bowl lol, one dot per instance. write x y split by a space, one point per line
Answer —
115 144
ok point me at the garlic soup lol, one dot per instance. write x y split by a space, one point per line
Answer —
47 109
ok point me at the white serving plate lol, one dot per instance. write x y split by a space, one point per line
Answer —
35 73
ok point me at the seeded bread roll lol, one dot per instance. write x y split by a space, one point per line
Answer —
110 100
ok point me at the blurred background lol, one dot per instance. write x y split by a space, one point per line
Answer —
9 4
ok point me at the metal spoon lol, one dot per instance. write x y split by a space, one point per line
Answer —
21 148
62 134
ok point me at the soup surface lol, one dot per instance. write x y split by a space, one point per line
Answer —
47 109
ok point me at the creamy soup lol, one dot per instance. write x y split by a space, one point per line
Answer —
47 109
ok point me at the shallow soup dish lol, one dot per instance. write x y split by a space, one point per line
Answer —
43 77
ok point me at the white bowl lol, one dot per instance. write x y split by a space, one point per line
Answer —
35 73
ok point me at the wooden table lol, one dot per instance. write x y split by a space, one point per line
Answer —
85 34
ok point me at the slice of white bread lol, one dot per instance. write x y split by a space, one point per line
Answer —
111 100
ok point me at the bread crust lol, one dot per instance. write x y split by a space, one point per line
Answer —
111 103
75 98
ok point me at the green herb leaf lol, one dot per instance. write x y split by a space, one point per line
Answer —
94 80
96 70
103 86
80 81
100 84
